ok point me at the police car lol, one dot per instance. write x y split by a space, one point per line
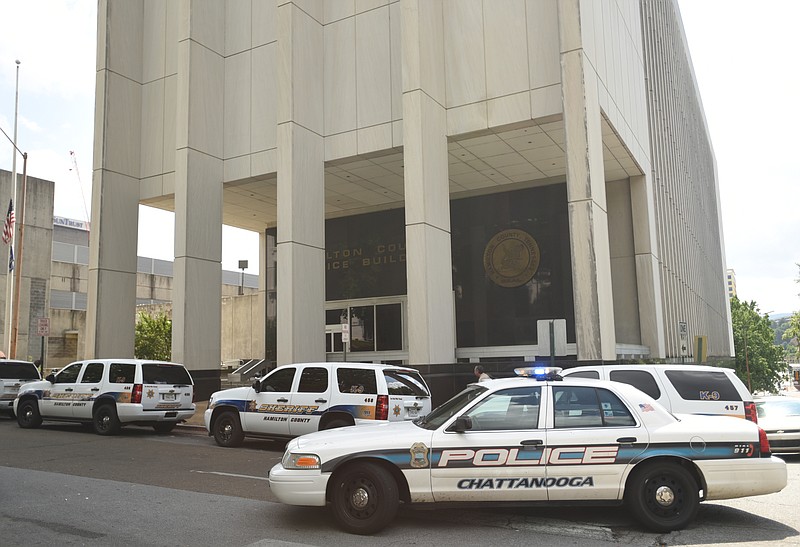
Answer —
528 440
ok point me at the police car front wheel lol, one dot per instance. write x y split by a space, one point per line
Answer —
228 429
663 496
364 498
28 416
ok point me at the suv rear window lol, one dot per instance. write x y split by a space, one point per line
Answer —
700 385
640 379
356 380
165 373
19 371
401 382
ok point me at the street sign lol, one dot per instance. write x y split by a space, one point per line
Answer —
683 335
43 326
345 333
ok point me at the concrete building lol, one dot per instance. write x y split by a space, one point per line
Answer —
33 233
456 180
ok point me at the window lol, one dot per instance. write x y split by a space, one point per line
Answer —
356 380
589 407
313 380
18 371
405 383
122 373
165 373
640 379
593 374
388 327
362 328
701 385
69 375
509 409
93 373
280 380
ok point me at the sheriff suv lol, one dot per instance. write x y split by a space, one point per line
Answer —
108 394
12 375
297 399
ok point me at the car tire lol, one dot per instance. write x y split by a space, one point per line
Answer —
105 420
164 427
335 423
663 496
364 498
28 416
228 429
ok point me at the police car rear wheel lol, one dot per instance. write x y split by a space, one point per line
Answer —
364 498
28 416
333 424
228 430
105 420
663 497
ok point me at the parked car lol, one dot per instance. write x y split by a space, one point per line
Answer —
681 389
779 416
13 374
523 440
108 394
296 399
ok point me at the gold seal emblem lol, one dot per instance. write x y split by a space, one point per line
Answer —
511 258
419 455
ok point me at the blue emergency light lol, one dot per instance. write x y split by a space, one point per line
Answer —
539 373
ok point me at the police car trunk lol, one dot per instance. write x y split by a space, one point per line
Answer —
165 387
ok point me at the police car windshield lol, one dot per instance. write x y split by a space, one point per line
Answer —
445 411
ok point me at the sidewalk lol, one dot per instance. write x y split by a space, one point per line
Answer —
196 421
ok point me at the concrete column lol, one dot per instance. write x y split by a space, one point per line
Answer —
265 344
197 288
301 187
648 276
111 311
586 195
431 323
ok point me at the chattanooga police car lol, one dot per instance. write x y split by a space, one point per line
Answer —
527 440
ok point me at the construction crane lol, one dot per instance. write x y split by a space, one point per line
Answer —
74 158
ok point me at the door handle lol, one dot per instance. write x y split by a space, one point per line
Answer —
626 440
532 442
283 400
95 389
320 400
68 389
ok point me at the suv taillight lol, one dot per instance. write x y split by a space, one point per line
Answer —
763 442
136 395
750 411
382 408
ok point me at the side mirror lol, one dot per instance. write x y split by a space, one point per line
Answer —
462 424
51 378
257 385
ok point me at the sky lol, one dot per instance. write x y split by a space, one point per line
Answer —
744 56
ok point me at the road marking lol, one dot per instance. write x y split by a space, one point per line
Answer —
229 475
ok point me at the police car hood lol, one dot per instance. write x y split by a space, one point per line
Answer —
233 393
40 385
347 439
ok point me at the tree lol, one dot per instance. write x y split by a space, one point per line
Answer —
754 342
792 333
153 337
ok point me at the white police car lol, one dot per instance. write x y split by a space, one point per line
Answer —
524 440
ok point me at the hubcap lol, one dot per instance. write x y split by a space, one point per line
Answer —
226 430
359 498
665 496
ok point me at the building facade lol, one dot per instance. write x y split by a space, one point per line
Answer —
452 180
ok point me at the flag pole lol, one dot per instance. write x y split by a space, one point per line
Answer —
9 277
18 259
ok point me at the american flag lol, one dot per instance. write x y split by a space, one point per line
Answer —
8 226
11 259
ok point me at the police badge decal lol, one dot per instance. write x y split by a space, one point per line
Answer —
419 455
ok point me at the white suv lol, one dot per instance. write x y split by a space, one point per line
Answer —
302 398
12 375
682 389
110 393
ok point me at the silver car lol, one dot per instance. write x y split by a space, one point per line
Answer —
780 418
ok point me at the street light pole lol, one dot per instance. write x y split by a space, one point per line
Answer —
9 277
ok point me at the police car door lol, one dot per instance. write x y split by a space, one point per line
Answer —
591 437
269 413
86 390
58 402
497 457
310 400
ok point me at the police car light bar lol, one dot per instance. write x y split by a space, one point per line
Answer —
539 373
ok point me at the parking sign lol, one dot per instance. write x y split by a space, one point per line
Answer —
43 326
